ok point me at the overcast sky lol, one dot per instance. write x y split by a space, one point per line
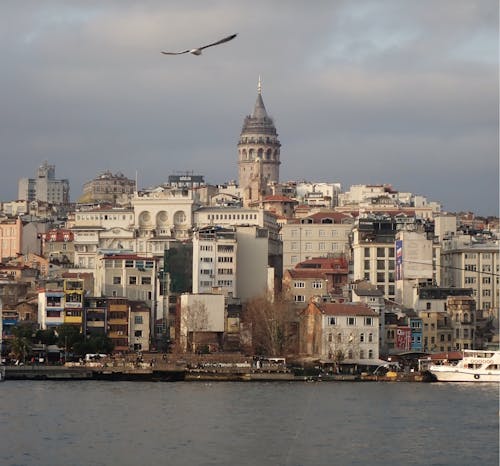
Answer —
385 91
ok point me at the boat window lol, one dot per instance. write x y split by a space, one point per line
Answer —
493 367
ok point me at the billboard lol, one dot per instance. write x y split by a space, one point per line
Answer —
403 338
413 257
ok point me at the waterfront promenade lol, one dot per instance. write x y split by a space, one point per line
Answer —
182 367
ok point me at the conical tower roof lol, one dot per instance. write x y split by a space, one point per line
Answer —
259 122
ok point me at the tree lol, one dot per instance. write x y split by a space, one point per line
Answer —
271 321
194 319
94 344
22 342
342 344
46 337
69 337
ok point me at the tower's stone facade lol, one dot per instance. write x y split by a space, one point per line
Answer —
258 153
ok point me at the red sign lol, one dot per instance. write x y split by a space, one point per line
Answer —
403 338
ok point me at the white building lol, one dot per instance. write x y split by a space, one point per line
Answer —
348 333
415 264
235 261
44 187
95 229
161 215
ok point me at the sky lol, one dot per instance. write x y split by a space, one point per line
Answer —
368 92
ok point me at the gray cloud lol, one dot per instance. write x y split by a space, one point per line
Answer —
394 92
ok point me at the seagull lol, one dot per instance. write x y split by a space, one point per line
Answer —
197 51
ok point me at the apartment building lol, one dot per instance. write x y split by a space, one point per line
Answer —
44 187
344 332
317 235
472 261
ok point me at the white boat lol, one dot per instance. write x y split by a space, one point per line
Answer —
475 366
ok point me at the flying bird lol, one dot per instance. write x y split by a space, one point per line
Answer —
197 51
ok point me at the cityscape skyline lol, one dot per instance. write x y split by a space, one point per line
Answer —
88 90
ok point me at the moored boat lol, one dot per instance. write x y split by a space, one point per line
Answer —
475 366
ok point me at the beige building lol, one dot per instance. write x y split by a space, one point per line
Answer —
130 276
473 262
318 235
108 187
201 321
139 326
437 331
10 238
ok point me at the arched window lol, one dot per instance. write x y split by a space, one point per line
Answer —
361 337
370 337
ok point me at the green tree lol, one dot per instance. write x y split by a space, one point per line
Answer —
46 337
23 341
69 337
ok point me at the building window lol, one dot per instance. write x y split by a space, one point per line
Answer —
361 337
380 265
367 252
367 265
317 284
299 298
332 320
138 320
138 333
117 280
299 285
145 280
370 338
380 252
369 321
370 354
351 321
132 280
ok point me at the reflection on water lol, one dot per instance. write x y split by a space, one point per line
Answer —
105 423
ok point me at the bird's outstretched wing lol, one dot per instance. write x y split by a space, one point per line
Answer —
197 50
226 39
175 53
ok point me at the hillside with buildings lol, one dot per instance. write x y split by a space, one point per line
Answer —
297 269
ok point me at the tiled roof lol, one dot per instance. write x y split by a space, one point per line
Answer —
342 309
306 273
278 198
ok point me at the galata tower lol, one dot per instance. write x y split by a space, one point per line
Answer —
258 153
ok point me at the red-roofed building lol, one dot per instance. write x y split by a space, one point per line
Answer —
58 246
322 277
340 332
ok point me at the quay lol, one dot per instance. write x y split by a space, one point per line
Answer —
174 373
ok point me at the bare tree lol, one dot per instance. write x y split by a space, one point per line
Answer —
342 344
271 321
194 319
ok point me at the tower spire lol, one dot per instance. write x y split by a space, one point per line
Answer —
259 86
